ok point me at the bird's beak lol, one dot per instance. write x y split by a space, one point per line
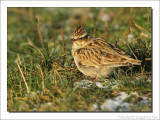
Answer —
71 40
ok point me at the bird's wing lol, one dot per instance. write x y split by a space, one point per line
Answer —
98 52
104 46
96 57
88 57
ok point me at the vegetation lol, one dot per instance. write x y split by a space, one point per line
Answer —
42 76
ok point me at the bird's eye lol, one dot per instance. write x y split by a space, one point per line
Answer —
71 39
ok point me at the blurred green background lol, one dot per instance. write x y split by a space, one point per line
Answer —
22 24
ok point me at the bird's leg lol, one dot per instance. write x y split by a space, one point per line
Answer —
95 79
86 77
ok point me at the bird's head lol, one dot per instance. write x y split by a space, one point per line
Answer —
79 34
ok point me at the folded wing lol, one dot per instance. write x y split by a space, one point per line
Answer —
100 53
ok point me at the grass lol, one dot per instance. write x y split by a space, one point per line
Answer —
41 73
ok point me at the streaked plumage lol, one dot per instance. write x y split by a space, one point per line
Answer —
95 57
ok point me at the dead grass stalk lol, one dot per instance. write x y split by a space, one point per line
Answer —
23 77
40 34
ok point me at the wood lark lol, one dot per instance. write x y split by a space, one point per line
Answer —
95 57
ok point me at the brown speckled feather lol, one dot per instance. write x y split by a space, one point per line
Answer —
98 52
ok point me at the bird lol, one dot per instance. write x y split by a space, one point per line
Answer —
95 57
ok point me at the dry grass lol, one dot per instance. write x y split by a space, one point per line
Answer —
23 77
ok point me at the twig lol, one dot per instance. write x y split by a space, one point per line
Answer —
124 40
56 86
136 26
132 24
106 31
31 44
140 28
63 41
40 34
23 77
131 11
131 50
59 91
126 35
58 74
148 59
42 78
94 32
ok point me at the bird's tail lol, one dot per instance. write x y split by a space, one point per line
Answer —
130 62
125 62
